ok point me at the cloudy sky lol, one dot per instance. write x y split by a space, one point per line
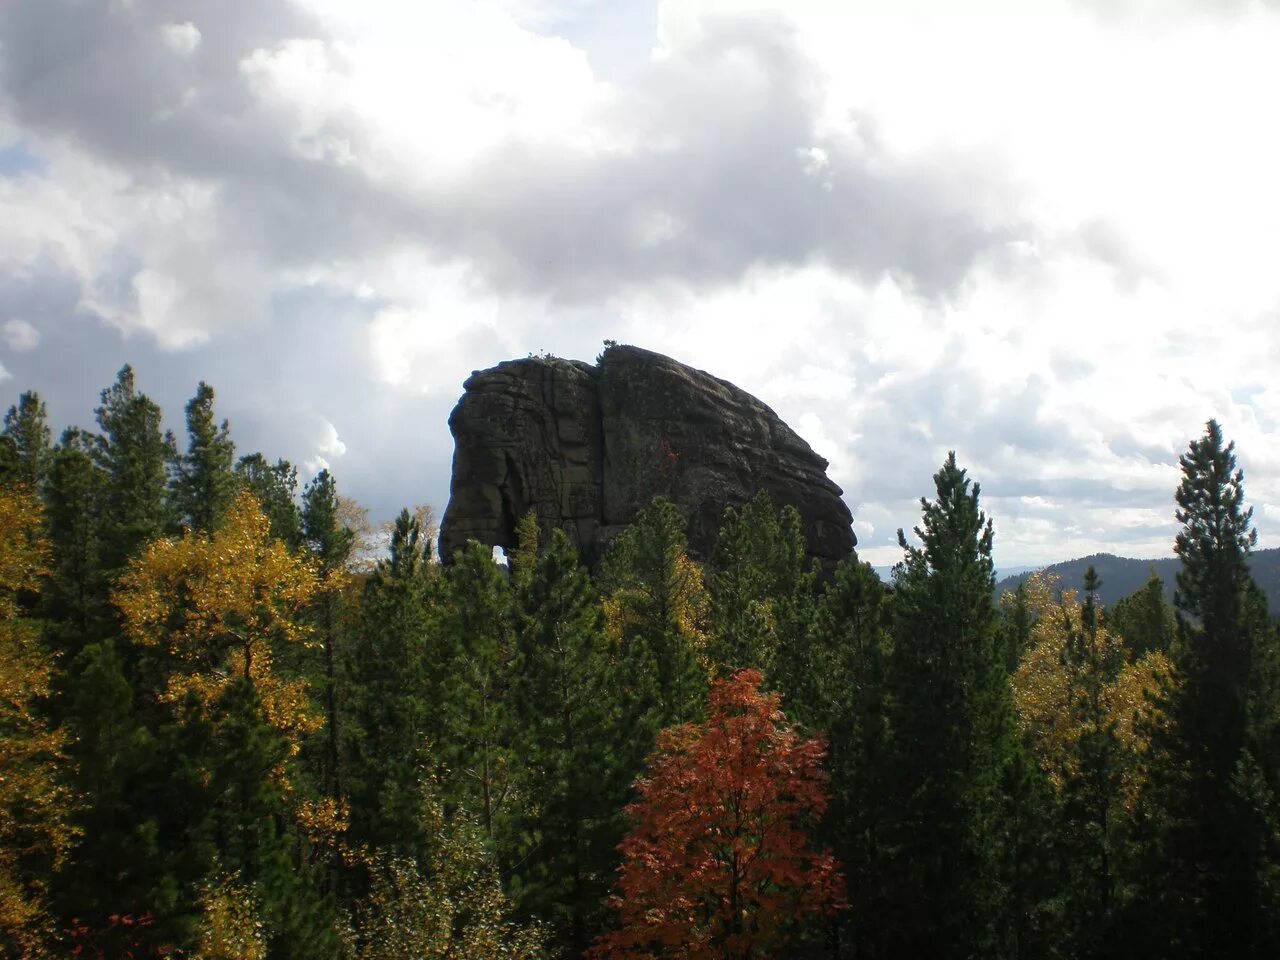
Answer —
1043 233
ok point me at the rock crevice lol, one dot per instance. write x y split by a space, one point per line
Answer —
585 447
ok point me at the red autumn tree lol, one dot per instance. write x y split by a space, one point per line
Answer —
718 863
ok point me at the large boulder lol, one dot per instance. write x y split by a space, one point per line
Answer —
586 447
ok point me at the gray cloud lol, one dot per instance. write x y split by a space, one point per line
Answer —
722 170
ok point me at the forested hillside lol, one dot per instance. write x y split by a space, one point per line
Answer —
223 734
1121 576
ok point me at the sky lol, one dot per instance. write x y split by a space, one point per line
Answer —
1042 233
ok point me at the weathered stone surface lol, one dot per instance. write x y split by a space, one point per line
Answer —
586 447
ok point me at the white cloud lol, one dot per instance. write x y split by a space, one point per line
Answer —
329 442
327 447
20 335
181 38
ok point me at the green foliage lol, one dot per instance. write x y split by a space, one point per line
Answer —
26 428
566 722
1205 834
204 485
1144 619
395 687
655 609
761 594
851 645
247 747
480 628
275 487
448 905
132 454
951 719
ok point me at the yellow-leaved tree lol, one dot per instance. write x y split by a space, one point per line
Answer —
224 605
35 831
221 604
1076 680
1086 704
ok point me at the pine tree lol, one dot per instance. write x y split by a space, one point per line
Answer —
75 598
566 722
132 453
1083 702
27 428
204 485
952 724
850 644
656 613
394 690
761 594
476 749
1144 619
275 486
330 542
1205 902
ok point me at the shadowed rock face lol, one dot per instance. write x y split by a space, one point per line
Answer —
586 447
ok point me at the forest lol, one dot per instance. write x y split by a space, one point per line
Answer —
236 723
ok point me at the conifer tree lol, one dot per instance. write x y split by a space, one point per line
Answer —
1144 619
476 748
952 723
330 542
132 453
75 597
27 428
656 612
394 693
850 644
566 721
761 594
1205 895
203 485
275 486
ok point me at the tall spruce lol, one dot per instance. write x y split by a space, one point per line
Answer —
26 427
1144 619
850 649
204 485
761 595
330 542
132 452
275 485
566 720
1203 900
476 749
75 598
393 695
656 613
951 721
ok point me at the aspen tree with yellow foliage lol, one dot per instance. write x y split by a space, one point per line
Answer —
221 609
1088 707
35 832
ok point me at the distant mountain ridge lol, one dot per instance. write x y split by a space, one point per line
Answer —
1121 576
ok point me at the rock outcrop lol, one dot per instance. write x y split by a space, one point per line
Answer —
586 447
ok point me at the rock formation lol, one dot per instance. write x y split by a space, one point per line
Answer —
586 447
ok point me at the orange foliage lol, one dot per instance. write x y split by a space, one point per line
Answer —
718 863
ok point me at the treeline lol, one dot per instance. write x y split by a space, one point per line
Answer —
222 736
